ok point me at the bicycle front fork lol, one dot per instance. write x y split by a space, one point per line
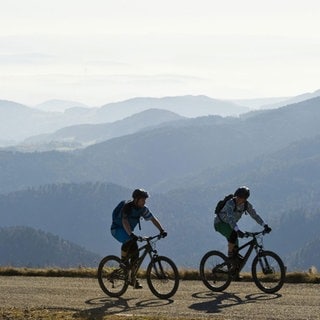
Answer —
264 264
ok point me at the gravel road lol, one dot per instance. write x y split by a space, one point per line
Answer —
84 298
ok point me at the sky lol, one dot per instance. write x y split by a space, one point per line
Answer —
101 51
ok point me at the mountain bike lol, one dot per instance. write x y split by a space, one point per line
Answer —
268 271
162 275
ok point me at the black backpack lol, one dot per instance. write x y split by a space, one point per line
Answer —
222 203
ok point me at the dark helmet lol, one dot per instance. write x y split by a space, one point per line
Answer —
242 192
140 193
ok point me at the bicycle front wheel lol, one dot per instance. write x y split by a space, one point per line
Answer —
162 277
214 271
268 272
112 276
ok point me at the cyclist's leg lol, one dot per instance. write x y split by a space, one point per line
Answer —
231 236
233 244
121 235
129 250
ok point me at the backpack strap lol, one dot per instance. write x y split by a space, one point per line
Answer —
235 204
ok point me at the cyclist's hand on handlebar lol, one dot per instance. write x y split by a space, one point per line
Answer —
133 237
267 229
240 234
163 234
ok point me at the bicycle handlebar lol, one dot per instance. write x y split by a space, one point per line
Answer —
147 239
248 234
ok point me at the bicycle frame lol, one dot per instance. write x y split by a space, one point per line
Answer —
162 276
268 271
146 249
252 244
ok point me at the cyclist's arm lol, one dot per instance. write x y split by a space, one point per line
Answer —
125 221
157 223
254 214
126 225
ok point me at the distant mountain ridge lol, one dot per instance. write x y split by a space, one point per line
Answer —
292 100
277 102
187 106
19 122
31 121
56 105
204 142
94 133
11 106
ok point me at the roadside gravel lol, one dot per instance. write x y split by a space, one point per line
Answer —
82 298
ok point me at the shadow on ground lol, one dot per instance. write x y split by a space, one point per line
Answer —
216 302
102 307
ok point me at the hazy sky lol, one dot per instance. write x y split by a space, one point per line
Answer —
100 51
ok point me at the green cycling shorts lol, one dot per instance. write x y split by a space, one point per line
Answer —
225 230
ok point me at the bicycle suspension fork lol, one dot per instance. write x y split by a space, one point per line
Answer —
263 261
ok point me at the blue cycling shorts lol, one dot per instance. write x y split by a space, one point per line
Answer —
120 234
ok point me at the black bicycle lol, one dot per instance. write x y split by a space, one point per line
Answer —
162 275
268 271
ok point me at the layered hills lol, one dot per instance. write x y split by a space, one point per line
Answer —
187 164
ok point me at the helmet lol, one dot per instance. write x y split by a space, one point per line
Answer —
242 192
140 193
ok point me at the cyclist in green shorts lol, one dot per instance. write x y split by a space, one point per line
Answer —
226 220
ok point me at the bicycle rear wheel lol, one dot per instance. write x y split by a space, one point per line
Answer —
214 271
112 276
268 272
162 277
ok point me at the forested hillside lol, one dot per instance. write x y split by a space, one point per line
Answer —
300 259
82 213
79 213
27 247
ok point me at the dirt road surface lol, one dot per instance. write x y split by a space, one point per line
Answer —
84 298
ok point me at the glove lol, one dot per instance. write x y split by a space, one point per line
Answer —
267 229
240 234
163 234
133 237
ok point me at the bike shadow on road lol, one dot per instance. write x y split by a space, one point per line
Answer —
216 302
111 306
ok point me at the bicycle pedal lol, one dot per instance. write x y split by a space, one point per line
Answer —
135 284
237 278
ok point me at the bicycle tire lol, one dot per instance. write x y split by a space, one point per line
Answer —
268 272
162 277
112 277
215 271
